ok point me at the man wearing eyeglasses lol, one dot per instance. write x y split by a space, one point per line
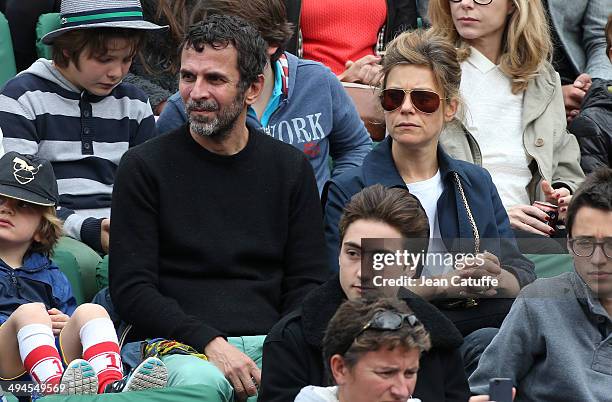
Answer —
556 342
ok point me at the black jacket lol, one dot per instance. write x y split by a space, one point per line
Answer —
401 16
593 127
293 356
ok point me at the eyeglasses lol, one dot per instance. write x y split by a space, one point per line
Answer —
389 321
423 100
481 2
385 321
585 246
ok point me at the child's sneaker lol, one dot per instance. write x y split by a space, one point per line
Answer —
151 373
79 378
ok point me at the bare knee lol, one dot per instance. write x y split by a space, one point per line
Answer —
88 311
31 313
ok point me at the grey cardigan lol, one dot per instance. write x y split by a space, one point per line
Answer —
555 345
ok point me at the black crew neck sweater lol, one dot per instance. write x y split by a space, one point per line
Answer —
205 245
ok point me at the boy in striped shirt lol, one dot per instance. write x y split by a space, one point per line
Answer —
76 112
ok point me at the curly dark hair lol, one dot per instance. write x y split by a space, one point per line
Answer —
220 31
269 17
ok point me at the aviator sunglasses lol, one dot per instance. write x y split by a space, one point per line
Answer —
389 321
423 100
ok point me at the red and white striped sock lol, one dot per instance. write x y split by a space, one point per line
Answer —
101 349
39 353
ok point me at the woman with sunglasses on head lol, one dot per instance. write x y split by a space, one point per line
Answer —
371 351
293 348
515 126
420 94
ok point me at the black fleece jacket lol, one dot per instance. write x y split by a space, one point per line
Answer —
206 245
293 350
593 127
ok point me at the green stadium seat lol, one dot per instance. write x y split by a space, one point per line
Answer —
46 23
547 265
7 65
79 262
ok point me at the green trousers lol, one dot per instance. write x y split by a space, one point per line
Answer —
190 370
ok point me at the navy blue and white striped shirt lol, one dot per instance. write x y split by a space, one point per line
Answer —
83 135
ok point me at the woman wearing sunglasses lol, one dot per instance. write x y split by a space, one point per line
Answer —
372 352
515 124
420 94
293 348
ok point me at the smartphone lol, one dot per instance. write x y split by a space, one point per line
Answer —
500 389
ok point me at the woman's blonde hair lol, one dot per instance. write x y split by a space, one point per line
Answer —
50 231
526 44
425 48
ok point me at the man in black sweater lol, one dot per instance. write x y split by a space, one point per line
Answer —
217 229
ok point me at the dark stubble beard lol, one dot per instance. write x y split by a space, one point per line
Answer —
219 127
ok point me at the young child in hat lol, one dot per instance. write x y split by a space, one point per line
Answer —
38 314
76 112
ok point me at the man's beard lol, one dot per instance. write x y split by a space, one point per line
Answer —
218 127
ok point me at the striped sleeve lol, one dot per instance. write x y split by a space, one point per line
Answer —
146 129
18 125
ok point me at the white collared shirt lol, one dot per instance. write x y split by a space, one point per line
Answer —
494 117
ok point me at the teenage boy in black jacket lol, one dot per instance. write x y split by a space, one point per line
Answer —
292 351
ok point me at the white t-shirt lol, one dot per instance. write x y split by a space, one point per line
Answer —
494 117
311 393
428 192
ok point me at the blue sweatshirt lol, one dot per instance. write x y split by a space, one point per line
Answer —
314 114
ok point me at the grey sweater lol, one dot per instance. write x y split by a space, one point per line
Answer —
555 345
